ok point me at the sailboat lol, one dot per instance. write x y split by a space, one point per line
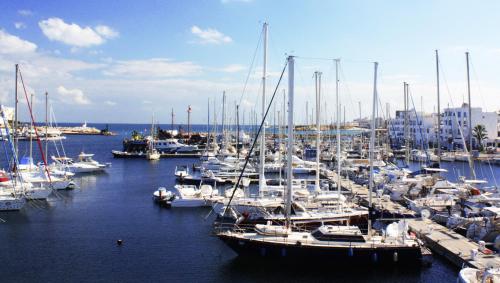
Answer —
152 153
342 243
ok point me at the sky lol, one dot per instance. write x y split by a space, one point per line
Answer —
125 61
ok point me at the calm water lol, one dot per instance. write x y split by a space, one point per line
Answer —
72 237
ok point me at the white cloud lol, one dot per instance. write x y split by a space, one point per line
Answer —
156 67
20 25
11 44
25 12
72 96
110 103
106 31
233 68
210 36
72 34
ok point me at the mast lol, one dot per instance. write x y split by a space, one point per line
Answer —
262 157
406 131
189 121
238 131
317 77
307 114
283 127
290 139
338 129
208 125
173 115
46 123
15 111
372 146
359 105
438 109
223 118
31 134
471 162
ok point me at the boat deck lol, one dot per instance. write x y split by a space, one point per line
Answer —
453 246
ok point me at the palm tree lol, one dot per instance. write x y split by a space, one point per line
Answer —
480 135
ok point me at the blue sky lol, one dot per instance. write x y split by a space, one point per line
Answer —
120 61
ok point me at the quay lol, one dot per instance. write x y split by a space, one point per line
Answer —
124 154
384 205
451 245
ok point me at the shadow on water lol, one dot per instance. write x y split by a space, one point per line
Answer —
276 271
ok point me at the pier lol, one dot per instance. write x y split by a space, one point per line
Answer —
451 245
384 205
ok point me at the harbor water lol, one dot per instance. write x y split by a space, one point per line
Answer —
73 236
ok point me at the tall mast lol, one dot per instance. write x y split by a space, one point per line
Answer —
262 157
372 146
15 111
223 118
406 131
471 163
238 131
338 129
208 125
173 115
317 77
46 123
290 139
282 124
438 109
189 121
31 134
307 114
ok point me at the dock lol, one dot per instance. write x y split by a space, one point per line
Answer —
441 240
123 154
451 245
384 205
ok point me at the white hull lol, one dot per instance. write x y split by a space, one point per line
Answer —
190 203
38 194
11 203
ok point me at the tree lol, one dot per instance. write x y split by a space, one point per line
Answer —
479 132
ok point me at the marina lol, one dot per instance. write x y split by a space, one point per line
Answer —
306 144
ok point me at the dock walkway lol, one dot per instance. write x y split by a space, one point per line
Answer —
361 192
453 246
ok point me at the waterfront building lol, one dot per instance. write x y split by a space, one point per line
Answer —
421 128
456 118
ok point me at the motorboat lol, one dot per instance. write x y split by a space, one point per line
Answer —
181 171
162 195
85 163
192 196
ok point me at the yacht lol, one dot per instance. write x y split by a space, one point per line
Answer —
192 196
85 163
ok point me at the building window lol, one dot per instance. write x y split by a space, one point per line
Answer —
459 114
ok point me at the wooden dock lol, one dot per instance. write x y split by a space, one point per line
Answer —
453 246
361 192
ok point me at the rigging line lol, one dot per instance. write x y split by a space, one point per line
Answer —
14 155
332 59
251 66
255 139
478 85
36 131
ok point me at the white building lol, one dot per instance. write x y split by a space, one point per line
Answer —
456 119
421 128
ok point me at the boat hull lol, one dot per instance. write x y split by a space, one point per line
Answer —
320 254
